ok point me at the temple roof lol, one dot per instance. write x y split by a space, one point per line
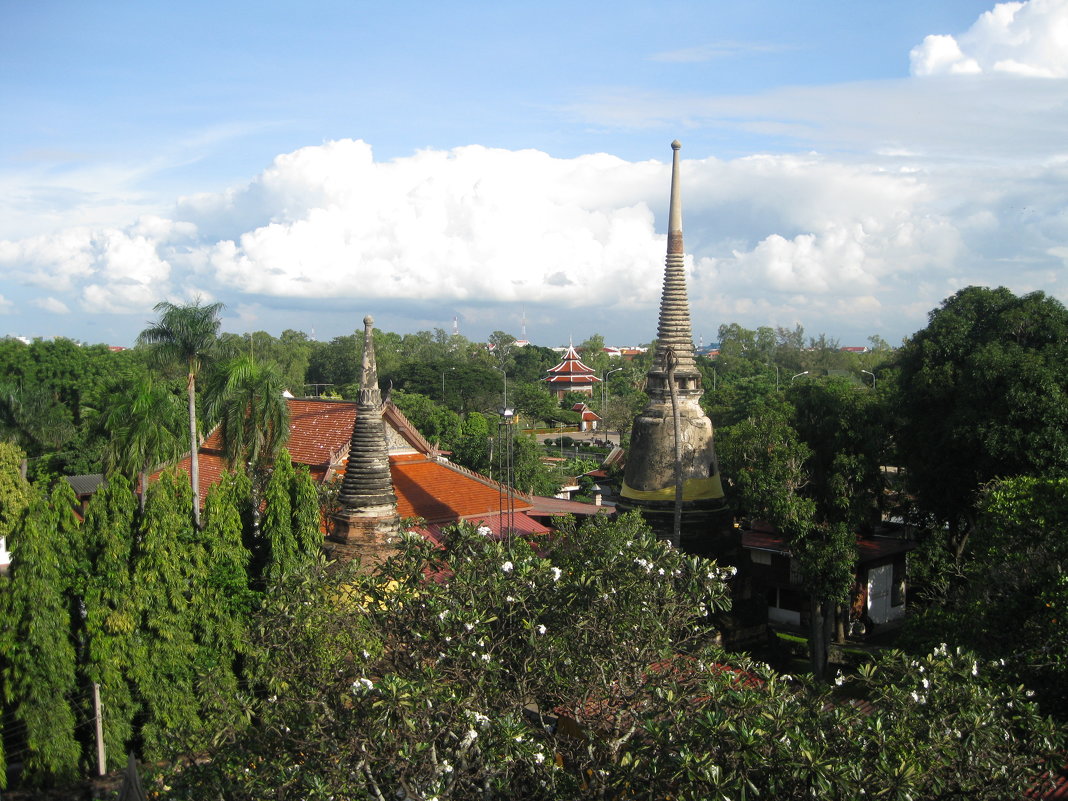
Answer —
571 370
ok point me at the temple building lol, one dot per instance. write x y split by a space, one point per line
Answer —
391 478
571 375
672 475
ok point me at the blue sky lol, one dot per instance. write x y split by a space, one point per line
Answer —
846 165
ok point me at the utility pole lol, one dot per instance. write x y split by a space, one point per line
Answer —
101 761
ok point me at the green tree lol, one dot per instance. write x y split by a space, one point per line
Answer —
983 393
473 449
33 420
534 402
186 335
307 518
771 478
593 355
438 424
502 349
144 423
245 397
222 605
1011 600
168 565
109 612
333 365
39 667
529 474
532 362
291 522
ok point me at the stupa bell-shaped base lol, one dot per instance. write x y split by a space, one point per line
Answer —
370 535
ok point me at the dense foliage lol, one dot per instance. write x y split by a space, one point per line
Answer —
983 394
587 668
154 610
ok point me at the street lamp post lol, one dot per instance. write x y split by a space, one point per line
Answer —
869 372
798 376
443 383
604 386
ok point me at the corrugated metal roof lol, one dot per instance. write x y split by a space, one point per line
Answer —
85 485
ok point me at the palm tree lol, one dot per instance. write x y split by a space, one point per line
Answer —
145 426
246 398
186 334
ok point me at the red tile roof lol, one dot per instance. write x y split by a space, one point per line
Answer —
571 370
437 491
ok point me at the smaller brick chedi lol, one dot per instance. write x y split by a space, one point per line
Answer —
367 524
659 449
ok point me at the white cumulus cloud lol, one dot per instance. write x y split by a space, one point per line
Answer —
577 243
1019 38
473 222
50 304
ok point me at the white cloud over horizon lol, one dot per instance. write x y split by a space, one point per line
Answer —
790 237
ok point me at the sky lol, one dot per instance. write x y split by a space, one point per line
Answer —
845 166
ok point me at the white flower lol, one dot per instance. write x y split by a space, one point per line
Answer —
975 668
539 757
479 718
541 628
926 684
365 684
445 766
442 614
518 738
469 626
557 572
509 599
365 654
660 571
919 699
485 657
839 680
507 567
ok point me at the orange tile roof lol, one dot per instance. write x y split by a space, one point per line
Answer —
436 491
441 492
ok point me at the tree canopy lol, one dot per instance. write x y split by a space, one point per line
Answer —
983 393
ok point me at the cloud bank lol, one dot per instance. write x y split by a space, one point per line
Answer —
773 238
956 176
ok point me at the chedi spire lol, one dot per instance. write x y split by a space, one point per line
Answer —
367 522
671 466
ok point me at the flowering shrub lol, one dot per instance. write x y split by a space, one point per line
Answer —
585 667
